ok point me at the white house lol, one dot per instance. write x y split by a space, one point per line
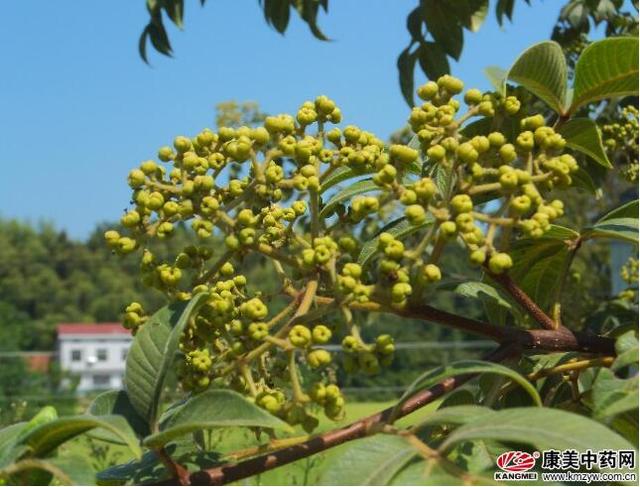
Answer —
94 352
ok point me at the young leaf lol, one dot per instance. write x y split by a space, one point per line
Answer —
541 428
542 69
497 76
117 402
45 438
213 409
370 461
618 224
151 354
364 186
583 135
607 68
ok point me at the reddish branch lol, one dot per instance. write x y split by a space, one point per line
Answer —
361 428
524 300
512 340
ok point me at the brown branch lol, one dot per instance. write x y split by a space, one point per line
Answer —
524 300
560 340
359 429
179 472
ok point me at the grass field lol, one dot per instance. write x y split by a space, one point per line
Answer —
302 472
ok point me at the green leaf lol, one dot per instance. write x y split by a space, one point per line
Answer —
44 416
8 441
399 228
308 10
406 64
420 472
364 186
626 350
607 68
455 415
582 135
175 11
482 291
117 402
213 409
582 179
153 351
433 60
277 13
466 367
497 76
613 396
68 470
619 224
472 13
443 26
339 175
370 461
542 69
538 263
47 437
541 428
504 8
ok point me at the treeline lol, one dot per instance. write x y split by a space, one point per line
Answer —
47 278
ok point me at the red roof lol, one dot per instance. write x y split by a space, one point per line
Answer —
92 329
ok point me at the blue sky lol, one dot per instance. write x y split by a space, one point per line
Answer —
78 108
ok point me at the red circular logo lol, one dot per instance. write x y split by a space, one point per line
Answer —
516 461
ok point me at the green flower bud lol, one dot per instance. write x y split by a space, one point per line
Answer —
318 358
500 262
300 336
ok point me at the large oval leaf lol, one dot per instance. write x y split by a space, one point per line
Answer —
152 352
466 367
538 263
117 402
542 69
45 438
607 68
583 135
542 428
370 461
213 409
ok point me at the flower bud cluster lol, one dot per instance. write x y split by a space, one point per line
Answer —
264 191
